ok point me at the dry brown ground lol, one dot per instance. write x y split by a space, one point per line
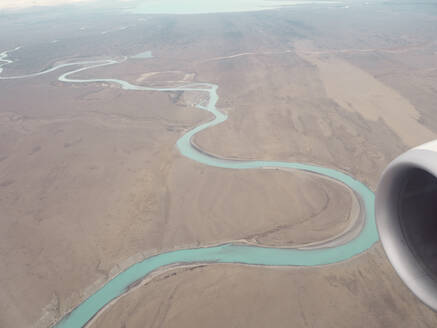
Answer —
279 110
91 182
362 292
358 91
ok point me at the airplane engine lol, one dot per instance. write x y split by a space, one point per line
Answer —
406 218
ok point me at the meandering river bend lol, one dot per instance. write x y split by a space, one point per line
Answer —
226 253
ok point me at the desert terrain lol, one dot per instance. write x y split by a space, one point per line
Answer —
91 181
362 292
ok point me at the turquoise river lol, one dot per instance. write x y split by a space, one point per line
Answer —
226 253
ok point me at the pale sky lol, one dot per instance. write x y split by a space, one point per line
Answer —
174 6
13 4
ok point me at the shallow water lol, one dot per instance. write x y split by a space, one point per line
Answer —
143 55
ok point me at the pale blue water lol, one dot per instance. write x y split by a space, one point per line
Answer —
143 55
227 253
214 6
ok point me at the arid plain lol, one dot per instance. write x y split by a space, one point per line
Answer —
91 180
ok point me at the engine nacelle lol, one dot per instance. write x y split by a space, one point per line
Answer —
406 217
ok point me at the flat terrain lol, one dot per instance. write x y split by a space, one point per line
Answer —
91 181
137 196
364 291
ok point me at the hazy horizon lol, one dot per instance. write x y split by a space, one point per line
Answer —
174 6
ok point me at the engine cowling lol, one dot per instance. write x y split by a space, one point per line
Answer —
406 217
